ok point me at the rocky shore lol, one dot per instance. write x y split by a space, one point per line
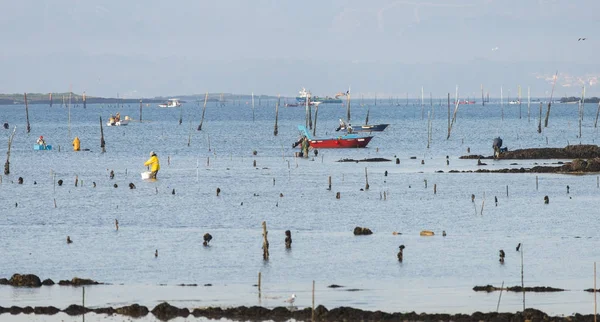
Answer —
31 280
583 151
165 312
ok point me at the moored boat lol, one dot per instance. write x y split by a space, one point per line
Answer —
349 140
361 128
172 102
304 94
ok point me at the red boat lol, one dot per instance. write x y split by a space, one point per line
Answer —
350 140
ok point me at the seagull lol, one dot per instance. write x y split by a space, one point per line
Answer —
580 39
291 300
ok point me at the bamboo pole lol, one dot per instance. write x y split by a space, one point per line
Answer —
540 120
84 101
500 297
595 303
180 114
204 110
50 99
7 164
550 102
522 282
275 130
316 113
259 283
366 179
367 118
482 99
528 104
102 142
27 113
252 106
597 113
348 105
448 114
140 111
265 241
313 301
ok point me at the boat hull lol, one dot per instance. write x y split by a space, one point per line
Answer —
340 143
41 147
368 128
120 123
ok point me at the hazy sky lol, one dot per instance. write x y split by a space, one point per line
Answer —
385 47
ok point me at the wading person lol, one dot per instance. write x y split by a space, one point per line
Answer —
153 164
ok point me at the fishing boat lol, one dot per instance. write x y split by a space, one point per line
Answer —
41 147
303 94
172 102
361 128
349 140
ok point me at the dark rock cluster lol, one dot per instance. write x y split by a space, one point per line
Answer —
362 231
30 280
490 288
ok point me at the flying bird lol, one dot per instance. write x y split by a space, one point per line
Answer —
291 300
495 48
581 39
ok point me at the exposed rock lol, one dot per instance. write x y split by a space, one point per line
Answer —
48 282
362 231
490 288
28 310
4 281
582 151
365 160
45 310
14 310
134 310
76 281
105 310
75 309
334 286
26 280
166 311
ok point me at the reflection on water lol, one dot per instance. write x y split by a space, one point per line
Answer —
172 213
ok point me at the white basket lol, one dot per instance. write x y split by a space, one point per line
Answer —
146 175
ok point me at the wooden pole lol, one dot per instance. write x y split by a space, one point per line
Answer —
500 297
83 296
595 303
482 99
540 120
7 164
313 301
316 113
536 183
50 99
366 180
528 104
180 114
204 110
27 112
329 185
275 130
265 241
550 102
84 101
448 114
102 142
348 105
140 111
522 282
259 285
252 106
507 190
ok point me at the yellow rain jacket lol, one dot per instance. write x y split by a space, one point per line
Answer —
76 144
153 162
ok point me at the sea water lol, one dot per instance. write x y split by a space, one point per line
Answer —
172 214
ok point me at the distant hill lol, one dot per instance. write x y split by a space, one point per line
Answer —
57 98
573 99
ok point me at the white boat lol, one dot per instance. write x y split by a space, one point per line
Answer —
515 102
172 102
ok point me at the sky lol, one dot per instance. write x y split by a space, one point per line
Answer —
388 48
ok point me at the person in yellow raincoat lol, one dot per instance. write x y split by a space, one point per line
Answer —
76 144
153 164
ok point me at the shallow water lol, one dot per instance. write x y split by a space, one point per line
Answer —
437 275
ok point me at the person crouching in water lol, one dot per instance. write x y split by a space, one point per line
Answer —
153 164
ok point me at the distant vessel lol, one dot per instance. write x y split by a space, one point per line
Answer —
172 102
303 94
466 102
515 102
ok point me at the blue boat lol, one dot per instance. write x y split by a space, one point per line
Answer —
365 128
42 147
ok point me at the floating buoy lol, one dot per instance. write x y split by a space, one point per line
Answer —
426 233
